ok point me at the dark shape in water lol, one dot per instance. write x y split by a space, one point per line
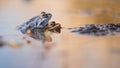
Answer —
1 41
98 29
27 1
28 41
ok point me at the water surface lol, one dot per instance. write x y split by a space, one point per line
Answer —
67 50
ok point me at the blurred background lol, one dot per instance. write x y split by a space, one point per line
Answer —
67 50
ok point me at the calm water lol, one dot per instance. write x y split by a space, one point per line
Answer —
67 50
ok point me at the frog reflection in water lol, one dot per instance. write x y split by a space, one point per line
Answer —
51 27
